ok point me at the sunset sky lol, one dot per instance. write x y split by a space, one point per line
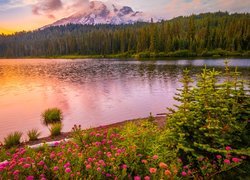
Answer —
18 15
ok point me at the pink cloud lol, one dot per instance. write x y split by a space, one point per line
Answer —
47 7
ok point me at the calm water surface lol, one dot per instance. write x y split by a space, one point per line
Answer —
91 92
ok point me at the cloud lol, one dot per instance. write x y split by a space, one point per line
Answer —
47 7
176 8
51 8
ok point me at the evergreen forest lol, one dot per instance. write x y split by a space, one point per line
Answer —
207 34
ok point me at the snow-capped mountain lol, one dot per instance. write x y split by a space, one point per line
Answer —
100 13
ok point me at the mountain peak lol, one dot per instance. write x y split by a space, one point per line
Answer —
98 12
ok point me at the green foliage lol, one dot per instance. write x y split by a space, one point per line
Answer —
208 34
77 135
55 129
52 115
33 134
13 139
182 53
211 115
151 118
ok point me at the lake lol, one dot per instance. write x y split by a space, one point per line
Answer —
92 92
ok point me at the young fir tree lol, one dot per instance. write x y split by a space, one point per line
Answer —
210 115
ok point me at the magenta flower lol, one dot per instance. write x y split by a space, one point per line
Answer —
218 156
109 154
137 178
236 160
152 170
155 157
99 169
52 156
30 178
26 166
66 165
183 173
4 163
16 172
88 166
1 168
227 161
67 170
90 160
119 151
124 166
228 148
41 163
108 175
56 168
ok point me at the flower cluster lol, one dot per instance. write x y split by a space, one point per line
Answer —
100 154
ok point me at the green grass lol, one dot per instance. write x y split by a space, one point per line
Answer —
33 134
55 129
13 139
52 115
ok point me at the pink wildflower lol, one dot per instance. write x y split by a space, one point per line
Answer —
16 172
67 170
55 168
228 148
99 169
146 178
88 166
183 173
137 178
26 166
144 161
119 151
30 178
108 175
226 161
66 165
90 160
152 170
155 157
236 160
52 156
124 166
41 163
218 156
167 173
163 165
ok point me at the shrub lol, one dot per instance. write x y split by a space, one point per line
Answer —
210 116
33 134
55 129
12 139
51 116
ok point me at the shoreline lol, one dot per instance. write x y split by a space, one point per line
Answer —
160 119
133 56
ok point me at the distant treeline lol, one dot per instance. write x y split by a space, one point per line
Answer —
208 34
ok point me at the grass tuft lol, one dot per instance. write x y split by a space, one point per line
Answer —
33 134
51 116
13 139
55 129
